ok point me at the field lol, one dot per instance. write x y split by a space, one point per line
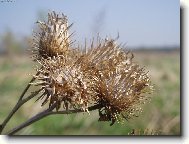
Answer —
161 115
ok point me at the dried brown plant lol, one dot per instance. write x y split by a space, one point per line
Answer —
104 77
105 74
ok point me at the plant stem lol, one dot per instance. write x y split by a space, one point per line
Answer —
46 113
16 107
20 102
32 120
27 87
8 117
75 110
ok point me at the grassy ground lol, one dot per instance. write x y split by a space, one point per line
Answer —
161 115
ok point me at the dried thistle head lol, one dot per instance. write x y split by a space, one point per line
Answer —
53 37
121 86
64 84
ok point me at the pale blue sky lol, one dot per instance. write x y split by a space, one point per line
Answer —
139 22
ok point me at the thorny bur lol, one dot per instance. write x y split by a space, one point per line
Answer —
105 74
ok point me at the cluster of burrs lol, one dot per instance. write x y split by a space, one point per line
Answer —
102 74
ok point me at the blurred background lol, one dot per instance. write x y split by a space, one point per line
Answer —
150 29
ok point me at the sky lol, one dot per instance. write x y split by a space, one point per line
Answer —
140 23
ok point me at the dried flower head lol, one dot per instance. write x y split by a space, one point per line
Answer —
53 37
120 84
64 83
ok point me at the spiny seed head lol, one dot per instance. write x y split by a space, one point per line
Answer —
121 86
52 38
64 84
